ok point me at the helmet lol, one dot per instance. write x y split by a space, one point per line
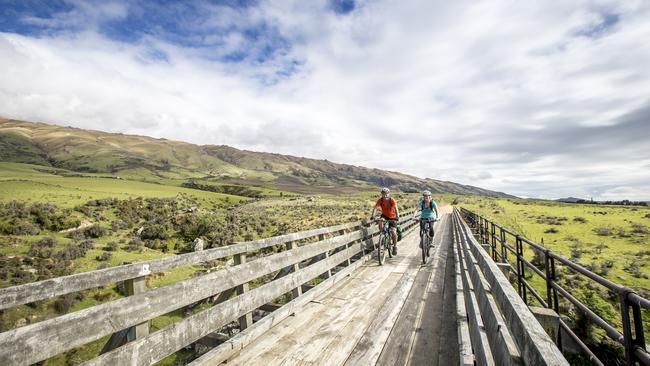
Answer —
426 193
385 190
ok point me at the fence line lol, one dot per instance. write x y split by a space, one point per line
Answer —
42 340
632 339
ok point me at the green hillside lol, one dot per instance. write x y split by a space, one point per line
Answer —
173 162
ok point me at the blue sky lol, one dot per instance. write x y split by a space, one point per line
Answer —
542 98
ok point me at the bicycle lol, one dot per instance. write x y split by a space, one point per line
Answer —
385 241
426 241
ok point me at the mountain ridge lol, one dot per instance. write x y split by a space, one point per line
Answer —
137 156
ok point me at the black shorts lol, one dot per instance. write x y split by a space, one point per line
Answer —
390 221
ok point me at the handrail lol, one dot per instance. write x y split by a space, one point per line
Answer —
40 290
632 338
25 345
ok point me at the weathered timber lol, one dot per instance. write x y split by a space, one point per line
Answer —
245 320
478 337
503 346
30 292
170 339
534 344
132 286
231 347
74 329
464 342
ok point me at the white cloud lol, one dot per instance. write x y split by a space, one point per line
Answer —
455 91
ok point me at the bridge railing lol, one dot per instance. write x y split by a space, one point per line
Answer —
332 253
503 242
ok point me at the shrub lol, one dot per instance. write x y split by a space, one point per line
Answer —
94 231
155 231
134 245
111 246
104 257
70 252
25 228
551 230
639 229
42 248
604 231
581 220
63 304
647 216
196 226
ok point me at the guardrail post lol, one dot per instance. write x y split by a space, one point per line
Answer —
494 243
504 251
632 333
556 300
246 320
549 287
521 273
298 290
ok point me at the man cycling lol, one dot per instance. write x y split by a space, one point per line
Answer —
429 210
389 211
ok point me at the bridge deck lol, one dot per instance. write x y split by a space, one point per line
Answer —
396 314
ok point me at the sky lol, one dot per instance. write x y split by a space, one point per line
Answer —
543 99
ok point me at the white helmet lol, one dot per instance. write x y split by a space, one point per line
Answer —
426 193
385 190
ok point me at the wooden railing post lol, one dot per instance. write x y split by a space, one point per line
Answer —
296 266
132 286
494 242
246 320
327 274
347 261
504 251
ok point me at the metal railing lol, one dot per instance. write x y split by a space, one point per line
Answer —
632 338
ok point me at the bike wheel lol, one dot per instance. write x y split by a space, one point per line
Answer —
389 248
380 250
425 245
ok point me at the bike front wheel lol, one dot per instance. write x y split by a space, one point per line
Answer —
425 248
381 250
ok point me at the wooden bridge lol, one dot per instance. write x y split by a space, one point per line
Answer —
345 309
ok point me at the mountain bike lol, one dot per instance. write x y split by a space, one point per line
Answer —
385 241
426 241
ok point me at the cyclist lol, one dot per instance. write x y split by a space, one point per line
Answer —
429 210
389 211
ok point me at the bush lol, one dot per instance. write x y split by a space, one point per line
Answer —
639 229
604 231
94 231
70 252
25 228
112 246
104 257
42 248
134 245
63 304
155 231
551 230
581 220
196 226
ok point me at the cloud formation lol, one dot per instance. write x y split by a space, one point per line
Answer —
539 99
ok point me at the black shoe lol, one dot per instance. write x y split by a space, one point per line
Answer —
394 250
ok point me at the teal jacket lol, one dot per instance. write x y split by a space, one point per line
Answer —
429 212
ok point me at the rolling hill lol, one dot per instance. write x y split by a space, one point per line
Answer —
142 158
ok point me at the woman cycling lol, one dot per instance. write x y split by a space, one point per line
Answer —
429 210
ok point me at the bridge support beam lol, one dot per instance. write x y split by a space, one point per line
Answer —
132 287
549 320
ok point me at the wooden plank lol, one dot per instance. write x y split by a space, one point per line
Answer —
224 351
369 347
480 343
245 320
464 341
176 336
132 287
534 344
24 345
18 295
503 347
